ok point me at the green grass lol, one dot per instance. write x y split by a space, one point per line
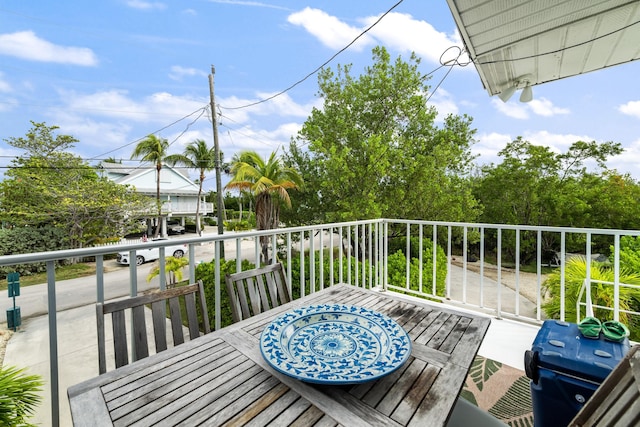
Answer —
64 272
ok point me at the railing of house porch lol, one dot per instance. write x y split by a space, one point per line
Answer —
359 253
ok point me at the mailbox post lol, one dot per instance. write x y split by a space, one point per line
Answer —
13 314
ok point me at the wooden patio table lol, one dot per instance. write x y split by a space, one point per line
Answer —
222 378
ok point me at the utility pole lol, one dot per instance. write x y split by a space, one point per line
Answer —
216 148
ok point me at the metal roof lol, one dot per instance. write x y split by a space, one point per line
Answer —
515 43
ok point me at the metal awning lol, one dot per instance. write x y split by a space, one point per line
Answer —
520 43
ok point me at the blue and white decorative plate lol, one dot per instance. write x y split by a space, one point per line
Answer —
335 344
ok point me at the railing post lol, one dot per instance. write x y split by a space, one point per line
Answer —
563 258
216 296
517 310
192 262
481 266
539 274
434 261
100 278
448 290
408 258
53 344
464 263
162 265
616 277
499 266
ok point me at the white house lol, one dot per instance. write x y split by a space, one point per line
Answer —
178 193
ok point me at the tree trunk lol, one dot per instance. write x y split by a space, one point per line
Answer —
264 221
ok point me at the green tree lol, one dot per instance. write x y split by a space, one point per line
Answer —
269 181
49 187
374 149
197 155
533 185
153 149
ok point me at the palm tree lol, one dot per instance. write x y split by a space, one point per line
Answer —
269 181
154 150
197 155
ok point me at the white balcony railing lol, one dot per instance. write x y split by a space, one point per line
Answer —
360 253
186 208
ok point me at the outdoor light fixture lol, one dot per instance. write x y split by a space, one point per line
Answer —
507 93
523 83
527 94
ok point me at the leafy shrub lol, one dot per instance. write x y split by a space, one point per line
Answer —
354 264
206 272
25 240
601 294
397 265
629 253
235 225
18 396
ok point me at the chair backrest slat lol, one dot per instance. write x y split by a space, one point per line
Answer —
158 302
159 315
257 290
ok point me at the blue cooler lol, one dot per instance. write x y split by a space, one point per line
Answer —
565 369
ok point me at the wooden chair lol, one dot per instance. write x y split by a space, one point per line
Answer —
616 402
158 302
254 291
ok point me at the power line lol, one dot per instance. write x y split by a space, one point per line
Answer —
282 92
201 109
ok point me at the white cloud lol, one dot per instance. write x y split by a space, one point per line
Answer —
178 72
631 108
398 31
629 160
249 3
544 107
511 109
555 141
261 140
404 33
488 146
92 133
520 110
328 29
146 5
280 106
26 45
161 107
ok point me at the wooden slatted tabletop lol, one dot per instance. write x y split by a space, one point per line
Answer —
222 378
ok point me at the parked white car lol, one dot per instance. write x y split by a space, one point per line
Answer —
153 253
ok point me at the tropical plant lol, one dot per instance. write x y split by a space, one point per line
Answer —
602 294
269 181
153 150
173 268
197 155
18 396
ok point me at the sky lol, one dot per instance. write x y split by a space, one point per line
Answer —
112 72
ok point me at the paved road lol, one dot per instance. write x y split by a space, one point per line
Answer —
83 291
